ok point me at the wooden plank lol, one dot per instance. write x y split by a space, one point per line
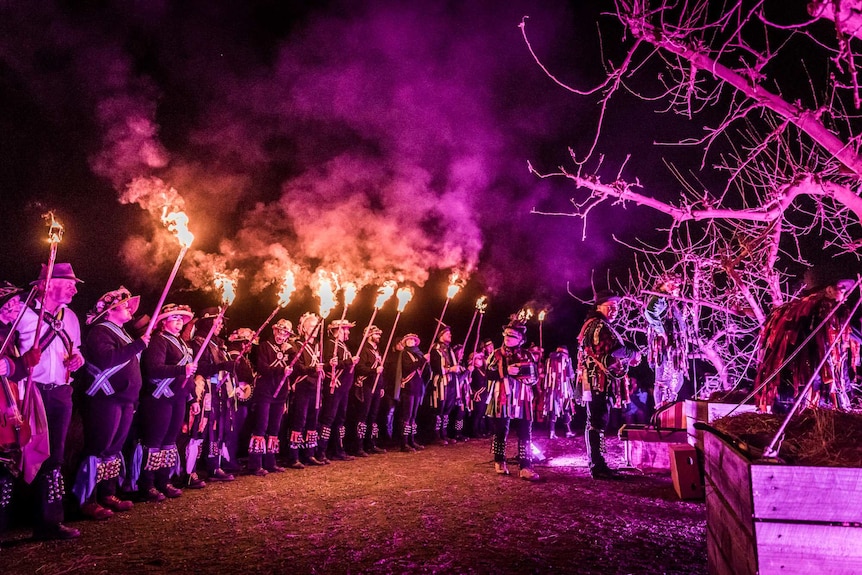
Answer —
828 494
728 471
708 411
802 549
730 546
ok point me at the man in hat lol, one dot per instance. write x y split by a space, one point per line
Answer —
168 370
559 391
59 341
111 397
305 383
239 347
603 361
216 416
339 377
817 317
667 340
409 388
368 393
270 399
512 377
445 388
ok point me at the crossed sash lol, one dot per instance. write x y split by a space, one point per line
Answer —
163 386
101 377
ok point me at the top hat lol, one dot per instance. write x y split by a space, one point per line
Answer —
606 295
61 271
111 300
210 313
515 329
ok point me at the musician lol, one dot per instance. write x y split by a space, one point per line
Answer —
111 398
368 394
512 378
216 417
270 399
559 393
239 347
305 383
336 389
602 363
168 372
667 341
409 388
59 340
445 391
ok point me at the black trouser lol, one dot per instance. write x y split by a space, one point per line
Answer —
106 426
58 412
332 419
266 423
363 410
524 429
232 441
7 482
479 419
303 420
598 413
447 405
161 420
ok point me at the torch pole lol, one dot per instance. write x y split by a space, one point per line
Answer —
365 332
439 323
247 347
385 352
470 329
164 295
478 333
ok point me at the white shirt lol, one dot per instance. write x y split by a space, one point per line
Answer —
51 367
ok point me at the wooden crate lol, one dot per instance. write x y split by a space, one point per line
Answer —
646 448
707 412
767 518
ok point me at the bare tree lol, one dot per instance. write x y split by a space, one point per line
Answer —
778 99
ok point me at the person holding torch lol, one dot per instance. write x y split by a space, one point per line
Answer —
305 381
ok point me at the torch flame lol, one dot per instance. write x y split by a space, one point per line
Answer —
384 293
542 314
177 223
326 293
482 304
227 285
404 296
349 290
55 228
454 286
288 284
525 314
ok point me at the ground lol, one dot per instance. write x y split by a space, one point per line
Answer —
442 510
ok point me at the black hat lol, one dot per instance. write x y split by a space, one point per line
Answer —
515 328
604 296
61 271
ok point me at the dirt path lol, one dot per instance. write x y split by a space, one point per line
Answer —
440 511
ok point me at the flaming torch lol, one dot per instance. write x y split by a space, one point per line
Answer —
404 295
227 285
288 285
326 295
349 291
454 287
177 223
383 294
480 306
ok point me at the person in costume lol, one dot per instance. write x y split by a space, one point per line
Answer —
367 394
110 400
305 383
270 399
603 361
559 396
239 349
667 340
819 313
59 340
336 387
512 378
409 385
445 391
478 376
168 372
212 424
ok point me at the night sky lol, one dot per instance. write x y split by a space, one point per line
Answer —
380 140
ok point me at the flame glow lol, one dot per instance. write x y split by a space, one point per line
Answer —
326 293
55 228
288 285
384 293
482 304
525 314
542 314
454 285
177 223
404 295
227 285
349 291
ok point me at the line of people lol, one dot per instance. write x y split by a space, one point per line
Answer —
155 419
